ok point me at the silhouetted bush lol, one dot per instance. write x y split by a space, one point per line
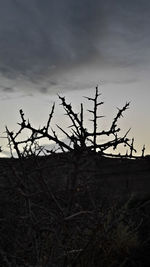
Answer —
57 210
80 139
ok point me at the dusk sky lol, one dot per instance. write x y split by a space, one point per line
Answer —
68 47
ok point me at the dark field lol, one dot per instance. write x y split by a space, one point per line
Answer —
74 210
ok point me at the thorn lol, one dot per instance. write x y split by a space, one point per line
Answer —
100 103
89 98
91 111
99 117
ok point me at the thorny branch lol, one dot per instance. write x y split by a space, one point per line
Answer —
79 137
96 104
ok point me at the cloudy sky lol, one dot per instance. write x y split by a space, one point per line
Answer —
68 47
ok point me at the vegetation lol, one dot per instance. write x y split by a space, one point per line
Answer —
57 210
79 138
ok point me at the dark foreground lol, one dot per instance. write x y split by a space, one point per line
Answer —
74 211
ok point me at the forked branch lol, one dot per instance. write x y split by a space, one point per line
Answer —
80 139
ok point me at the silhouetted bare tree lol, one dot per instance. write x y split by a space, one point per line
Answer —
79 137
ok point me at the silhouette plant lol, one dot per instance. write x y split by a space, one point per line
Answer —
55 212
80 139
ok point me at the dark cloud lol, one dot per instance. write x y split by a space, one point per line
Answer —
40 38
36 35
43 90
8 89
120 81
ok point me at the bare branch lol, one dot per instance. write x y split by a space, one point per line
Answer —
50 117
119 114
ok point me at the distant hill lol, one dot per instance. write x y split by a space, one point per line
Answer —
115 176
